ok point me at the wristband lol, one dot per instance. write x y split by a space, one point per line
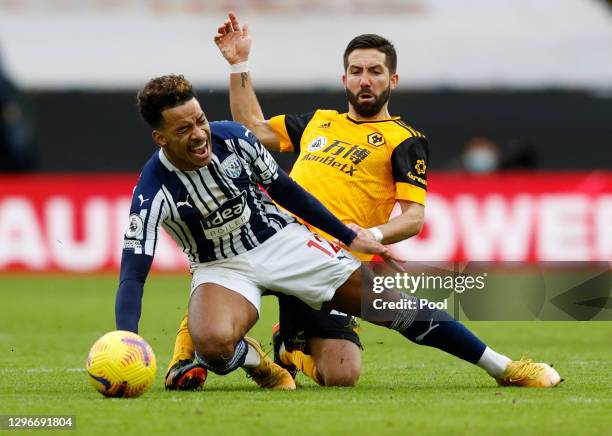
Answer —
377 233
240 67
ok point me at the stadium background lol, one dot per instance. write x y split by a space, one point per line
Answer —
533 77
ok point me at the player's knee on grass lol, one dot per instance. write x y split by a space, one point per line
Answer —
341 375
338 361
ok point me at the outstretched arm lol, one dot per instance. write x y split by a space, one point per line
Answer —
234 42
137 256
128 303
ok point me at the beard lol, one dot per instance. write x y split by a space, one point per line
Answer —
370 108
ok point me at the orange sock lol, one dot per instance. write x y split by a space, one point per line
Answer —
303 362
183 345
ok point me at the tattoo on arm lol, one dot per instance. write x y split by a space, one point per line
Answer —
243 79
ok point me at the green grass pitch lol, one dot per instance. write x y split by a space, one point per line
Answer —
48 323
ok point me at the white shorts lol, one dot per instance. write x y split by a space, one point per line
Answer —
295 262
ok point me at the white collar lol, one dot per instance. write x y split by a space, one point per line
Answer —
164 160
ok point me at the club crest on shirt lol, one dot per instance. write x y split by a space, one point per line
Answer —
232 167
317 143
135 227
376 139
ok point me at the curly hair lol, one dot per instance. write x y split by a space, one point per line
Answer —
377 42
162 93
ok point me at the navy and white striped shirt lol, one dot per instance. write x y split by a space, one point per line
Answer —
213 212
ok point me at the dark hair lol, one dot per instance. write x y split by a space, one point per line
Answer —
162 93
369 40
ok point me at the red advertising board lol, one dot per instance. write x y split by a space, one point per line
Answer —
516 217
76 222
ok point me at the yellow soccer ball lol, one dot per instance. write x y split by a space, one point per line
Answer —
121 364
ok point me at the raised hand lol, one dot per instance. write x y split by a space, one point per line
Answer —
233 40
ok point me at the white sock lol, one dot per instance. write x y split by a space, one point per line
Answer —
252 358
493 363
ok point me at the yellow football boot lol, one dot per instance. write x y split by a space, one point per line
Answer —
268 374
527 373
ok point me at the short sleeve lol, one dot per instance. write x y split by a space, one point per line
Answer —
409 162
289 130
